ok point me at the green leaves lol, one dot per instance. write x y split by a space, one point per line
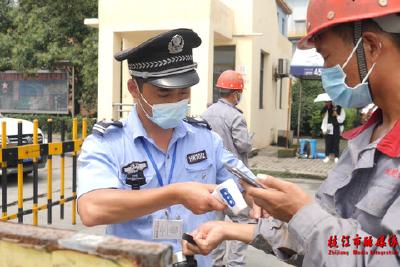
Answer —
34 34
308 119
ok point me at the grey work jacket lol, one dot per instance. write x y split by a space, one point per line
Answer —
229 123
360 198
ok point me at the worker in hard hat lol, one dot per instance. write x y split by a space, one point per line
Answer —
354 220
228 121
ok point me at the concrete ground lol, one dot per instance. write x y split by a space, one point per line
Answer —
267 161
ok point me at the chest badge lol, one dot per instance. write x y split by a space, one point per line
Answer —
134 174
196 157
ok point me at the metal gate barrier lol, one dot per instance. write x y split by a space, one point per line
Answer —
11 155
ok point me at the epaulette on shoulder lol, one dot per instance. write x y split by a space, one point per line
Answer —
101 127
198 122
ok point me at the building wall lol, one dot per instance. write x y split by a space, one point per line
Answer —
266 122
250 25
299 8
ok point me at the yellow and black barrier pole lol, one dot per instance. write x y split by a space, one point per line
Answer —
62 172
84 129
3 170
49 173
74 168
12 155
20 178
35 174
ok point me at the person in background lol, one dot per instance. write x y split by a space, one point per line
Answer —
228 121
332 128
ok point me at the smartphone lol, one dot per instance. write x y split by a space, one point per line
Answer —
189 239
242 176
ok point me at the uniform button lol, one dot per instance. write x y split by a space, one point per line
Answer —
167 156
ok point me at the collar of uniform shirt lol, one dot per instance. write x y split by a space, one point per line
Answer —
226 102
135 127
389 144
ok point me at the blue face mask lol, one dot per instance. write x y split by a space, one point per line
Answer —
334 83
167 115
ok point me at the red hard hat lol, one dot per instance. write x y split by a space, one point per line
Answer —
230 79
323 14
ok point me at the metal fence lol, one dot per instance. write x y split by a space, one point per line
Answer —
35 150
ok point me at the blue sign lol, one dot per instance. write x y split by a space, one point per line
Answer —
305 71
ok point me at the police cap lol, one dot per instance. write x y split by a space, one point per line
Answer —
165 60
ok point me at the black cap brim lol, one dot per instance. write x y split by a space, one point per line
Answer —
176 81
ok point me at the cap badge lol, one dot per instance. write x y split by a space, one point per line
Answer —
175 46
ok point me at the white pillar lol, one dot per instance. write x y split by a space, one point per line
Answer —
202 92
109 72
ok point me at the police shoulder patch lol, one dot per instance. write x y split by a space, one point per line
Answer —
100 127
198 122
196 157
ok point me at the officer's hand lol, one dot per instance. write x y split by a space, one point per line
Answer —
207 237
281 200
197 197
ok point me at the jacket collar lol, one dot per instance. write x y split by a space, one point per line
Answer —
389 144
223 100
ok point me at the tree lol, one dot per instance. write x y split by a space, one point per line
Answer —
37 33
309 110
311 118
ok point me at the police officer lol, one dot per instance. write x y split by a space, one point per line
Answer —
150 177
228 121
357 207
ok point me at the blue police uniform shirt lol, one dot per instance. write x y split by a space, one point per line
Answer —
102 158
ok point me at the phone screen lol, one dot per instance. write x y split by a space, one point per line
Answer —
241 175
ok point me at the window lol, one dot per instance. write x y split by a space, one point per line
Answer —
280 93
282 23
300 27
224 59
263 61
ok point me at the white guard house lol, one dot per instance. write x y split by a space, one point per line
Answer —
249 36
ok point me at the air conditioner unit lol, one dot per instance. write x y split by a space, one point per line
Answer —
283 68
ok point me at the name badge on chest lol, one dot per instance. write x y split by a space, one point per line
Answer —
134 174
196 157
164 229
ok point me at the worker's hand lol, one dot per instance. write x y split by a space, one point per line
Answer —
281 199
256 212
197 197
207 237
334 114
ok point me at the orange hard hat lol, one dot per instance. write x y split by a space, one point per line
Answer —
230 79
323 14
